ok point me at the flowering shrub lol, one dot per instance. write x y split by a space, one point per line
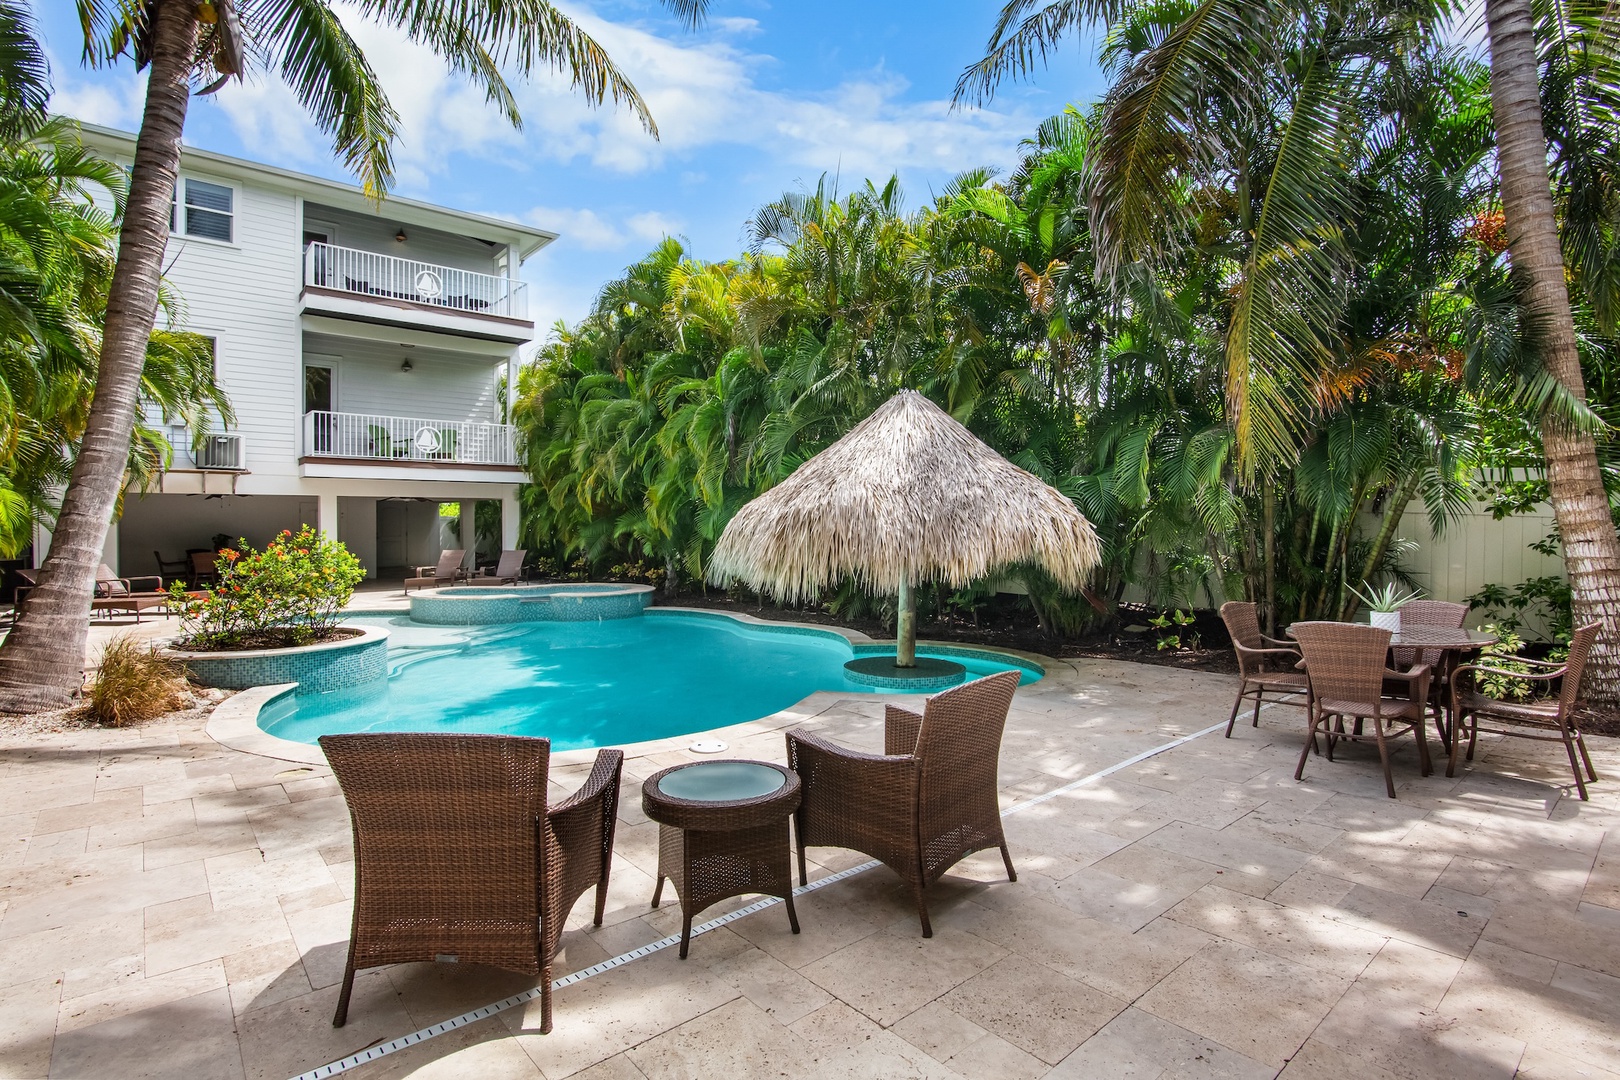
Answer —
288 594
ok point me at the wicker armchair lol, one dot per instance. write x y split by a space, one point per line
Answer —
928 801
457 856
1522 721
1345 662
1264 663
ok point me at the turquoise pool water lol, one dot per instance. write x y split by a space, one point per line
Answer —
586 684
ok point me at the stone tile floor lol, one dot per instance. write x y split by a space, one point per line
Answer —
172 908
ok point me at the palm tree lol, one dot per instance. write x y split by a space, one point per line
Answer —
1574 482
1202 99
184 45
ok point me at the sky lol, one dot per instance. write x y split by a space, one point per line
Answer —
765 99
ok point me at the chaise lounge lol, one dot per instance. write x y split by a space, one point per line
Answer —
447 572
506 571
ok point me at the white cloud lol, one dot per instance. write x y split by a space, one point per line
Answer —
593 232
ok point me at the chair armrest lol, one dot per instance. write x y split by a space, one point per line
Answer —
1416 678
603 781
1544 677
149 583
849 799
1295 653
1291 646
900 729
1559 664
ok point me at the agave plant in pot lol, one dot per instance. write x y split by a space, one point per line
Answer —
1384 603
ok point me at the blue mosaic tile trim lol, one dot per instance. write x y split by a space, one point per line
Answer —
954 650
772 628
315 672
466 607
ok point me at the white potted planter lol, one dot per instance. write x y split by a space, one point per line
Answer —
1389 620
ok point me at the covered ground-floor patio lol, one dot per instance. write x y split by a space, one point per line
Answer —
174 908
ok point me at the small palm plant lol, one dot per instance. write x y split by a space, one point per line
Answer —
1384 603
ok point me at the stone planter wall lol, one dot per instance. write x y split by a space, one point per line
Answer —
316 669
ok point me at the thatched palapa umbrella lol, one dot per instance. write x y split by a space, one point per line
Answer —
907 496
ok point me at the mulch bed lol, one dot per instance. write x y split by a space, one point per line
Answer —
270 640
1004 626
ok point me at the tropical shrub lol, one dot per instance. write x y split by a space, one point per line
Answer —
134 684
288 594
1504 656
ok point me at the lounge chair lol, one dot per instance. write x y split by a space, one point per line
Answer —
506 571
457 856
923 805
171 568
447 572
114 593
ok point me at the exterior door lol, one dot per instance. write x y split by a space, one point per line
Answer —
392 533
320 398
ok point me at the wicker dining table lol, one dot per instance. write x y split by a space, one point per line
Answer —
1452 643
722 832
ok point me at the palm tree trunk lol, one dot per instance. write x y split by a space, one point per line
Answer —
1269 547
42 660
1591 549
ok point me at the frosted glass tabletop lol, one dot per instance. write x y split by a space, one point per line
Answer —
721 781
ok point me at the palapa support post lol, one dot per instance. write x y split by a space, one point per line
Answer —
905 628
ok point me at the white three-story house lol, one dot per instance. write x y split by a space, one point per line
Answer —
362 346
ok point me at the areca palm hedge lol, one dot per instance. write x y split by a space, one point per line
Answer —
1260 289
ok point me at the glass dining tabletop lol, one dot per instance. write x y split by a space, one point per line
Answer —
1422 636
722 781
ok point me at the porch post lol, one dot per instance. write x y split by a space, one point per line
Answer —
326 514
469 532
510 520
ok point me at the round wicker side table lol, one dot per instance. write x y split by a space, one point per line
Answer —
722 832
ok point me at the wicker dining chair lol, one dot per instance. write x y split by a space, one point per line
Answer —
456 855
924 804
1428 613
1524 720
1346 665
1264 663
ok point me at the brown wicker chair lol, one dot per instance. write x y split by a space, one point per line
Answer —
1346 664
457 855
1551 716
1428 613
928 801
1264 663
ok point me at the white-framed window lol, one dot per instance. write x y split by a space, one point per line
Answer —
203 209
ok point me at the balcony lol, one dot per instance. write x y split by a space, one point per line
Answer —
367 285
362 444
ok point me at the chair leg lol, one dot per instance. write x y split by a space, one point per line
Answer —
804 876
545 999
1259 696
1574 764
1425 766
1383 753
1310 741
341 1017
1236 705
1006 858
922 907
1458 720
601 900
1580 741
658 890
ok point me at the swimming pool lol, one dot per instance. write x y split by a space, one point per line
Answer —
588 684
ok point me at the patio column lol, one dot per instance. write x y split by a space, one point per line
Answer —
469 532
511 518
326 514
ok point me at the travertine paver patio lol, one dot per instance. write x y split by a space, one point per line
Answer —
173 908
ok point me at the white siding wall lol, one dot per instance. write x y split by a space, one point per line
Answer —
245 295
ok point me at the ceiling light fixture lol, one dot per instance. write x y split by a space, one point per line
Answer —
400 236
405 366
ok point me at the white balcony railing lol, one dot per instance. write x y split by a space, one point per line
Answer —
369 273
401 439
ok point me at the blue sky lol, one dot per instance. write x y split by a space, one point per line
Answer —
763 100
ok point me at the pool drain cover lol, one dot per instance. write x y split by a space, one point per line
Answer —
708 746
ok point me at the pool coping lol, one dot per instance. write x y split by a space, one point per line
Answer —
235 721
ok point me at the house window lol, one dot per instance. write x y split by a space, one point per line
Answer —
203 209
